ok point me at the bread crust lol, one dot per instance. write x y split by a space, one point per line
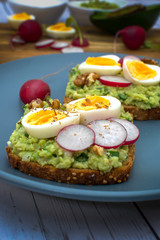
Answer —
138 113
141 114
72 175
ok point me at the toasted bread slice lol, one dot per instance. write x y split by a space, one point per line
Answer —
137 113
72 175
140 114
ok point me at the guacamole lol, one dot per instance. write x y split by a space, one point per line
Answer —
144 97
96 4
47 151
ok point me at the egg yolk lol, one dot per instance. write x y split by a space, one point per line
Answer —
91 103
21 16
140 70
45 116
60 27
101 61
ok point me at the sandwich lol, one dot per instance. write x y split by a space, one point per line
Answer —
89 141
134 81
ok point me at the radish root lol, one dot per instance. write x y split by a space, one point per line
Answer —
60 70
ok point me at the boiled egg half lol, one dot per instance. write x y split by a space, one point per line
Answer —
95 108
104 65
60 30
47 122
138 72
18 18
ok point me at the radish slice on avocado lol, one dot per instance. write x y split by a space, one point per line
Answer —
75 137
132 130
109 133
114 81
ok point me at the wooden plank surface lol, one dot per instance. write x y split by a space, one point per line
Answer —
99 42
25 215
19 218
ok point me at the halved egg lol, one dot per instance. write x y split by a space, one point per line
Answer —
18 18
95 108
138 72
104 65
47 122
60 30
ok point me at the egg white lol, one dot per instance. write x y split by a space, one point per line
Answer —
150 81
101 70
49 130
15 23
60 34
114 110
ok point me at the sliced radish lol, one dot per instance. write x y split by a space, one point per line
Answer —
44 43
114 81
132 130
17 39
121 61
131 58
72 50
75 137
59 45
109 133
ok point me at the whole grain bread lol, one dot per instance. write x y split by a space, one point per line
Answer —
141 114
72 175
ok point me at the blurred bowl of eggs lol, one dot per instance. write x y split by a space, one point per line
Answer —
82 10
45 11
15 20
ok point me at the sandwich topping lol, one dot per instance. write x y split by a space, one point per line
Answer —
74 145
135 83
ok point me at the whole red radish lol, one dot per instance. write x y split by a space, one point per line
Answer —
34 89
132 36
37 88
29 31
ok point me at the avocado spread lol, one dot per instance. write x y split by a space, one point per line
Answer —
144 97
47 151
97 4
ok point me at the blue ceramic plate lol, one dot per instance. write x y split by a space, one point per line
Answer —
144 181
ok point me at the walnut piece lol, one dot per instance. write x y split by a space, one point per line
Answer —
98 150
67 100
55 104
91 78
79 81
149 61
86 79
37 103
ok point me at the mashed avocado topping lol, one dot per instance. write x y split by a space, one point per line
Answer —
144 97
96 4
48 152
